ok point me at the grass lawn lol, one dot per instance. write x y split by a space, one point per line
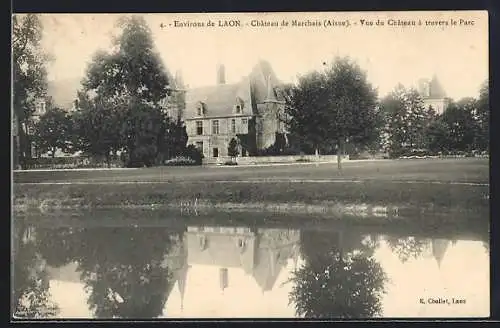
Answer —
438 185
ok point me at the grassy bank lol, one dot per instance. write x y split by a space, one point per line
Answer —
378 193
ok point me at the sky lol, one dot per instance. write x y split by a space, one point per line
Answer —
458 55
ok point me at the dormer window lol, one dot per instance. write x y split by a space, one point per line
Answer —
238 106
200 108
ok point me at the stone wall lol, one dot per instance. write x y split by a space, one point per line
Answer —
274 159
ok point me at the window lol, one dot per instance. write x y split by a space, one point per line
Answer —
233 125
200 109
216 152
199 145
215 127
238 109
244 121
199 128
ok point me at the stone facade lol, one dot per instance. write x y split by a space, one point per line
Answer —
248 111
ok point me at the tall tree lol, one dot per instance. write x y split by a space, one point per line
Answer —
459 117
337 280
53 132
97 126
406 120
483 117
29 74
331 107
134 74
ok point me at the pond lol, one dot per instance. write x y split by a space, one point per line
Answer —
223 265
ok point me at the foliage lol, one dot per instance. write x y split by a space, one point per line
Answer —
338 280
232 149
173 139
461 124
31 297
325 109
483 117
407 247
29 75
124 88
437 134
194 153
406 120
123 270
53 132
180 161
98 126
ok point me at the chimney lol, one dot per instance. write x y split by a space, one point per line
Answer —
221 74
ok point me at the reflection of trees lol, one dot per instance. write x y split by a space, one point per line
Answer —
30 290
407 247
339 278
122 268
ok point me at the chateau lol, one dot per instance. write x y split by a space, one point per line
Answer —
251 111
433 94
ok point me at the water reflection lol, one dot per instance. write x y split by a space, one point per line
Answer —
227 270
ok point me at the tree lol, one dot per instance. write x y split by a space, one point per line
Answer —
232 149
97 126
336 281
124 272
438 136
483 117
331 107
173 139
30 290
133 80
407 247
53 132
459 118
29 78
406 120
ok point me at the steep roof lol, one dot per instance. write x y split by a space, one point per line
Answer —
256 88
264 82
218 100
269 265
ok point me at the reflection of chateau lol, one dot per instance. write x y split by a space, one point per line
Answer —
176 263
261 254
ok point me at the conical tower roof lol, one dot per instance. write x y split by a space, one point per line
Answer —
439 247
436 89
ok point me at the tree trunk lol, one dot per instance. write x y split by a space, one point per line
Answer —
53 152
339 154
108 163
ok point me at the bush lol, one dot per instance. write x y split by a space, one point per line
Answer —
69 163
180 161
304 160
194 154
230 163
